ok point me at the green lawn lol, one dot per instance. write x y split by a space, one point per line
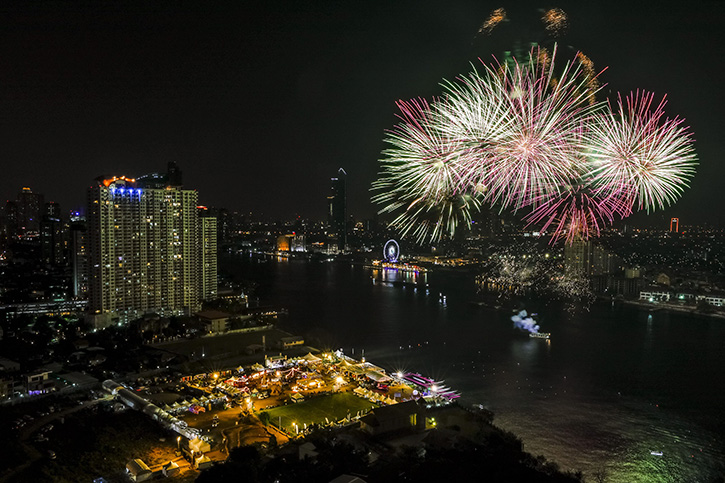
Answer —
314 411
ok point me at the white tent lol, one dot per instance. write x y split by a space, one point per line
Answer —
309 357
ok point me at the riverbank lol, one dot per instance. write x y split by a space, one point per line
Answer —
651 306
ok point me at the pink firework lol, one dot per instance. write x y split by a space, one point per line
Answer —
526 136
577 214
520 123
639 154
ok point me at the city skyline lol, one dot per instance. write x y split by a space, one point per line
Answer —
245 96
194 281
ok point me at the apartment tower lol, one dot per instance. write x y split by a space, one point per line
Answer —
149 250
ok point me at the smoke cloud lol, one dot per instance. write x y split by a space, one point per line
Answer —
524 322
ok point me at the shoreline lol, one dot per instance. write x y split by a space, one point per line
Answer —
652 307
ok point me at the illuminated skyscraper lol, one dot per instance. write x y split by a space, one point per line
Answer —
589 259
79 255
337 209
23 216
147 251
52 235
30 212
207 254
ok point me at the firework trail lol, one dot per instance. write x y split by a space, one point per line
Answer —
555 21
496 17
577 213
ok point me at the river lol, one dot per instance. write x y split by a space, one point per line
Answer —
613 385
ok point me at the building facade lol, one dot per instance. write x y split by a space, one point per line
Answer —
30 212
589 259
208 254
146 250
337 210
23 216
79 255
52 235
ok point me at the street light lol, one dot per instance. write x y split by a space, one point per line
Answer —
178 442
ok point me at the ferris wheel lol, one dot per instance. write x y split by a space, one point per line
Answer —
391 251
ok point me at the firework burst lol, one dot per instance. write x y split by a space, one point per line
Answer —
640 154
534 155
576 213
524 135
555 21
421 176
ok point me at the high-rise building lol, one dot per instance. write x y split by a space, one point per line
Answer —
23 216
29 213
337 209
52 235
146 249
589 259
79 255
9 226
208 254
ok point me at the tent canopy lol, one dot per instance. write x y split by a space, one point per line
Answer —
377 376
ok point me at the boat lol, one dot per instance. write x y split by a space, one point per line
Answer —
656 453
540 335
397 266
429 387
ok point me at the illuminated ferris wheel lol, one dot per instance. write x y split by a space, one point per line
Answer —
391 251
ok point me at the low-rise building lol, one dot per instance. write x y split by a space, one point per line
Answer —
714 299
655 294
137 470
170 469
39 382
216 320
386 419
289 342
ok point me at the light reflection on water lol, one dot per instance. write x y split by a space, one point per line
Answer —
612 385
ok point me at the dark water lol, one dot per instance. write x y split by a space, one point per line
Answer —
613 384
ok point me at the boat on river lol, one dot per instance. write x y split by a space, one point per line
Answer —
397 266
540 335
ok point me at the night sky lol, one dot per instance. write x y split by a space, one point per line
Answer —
261 104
